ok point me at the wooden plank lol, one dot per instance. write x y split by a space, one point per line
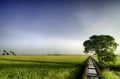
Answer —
91 70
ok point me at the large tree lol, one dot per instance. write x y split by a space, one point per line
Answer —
102 45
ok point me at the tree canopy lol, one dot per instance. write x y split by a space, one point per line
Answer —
103 46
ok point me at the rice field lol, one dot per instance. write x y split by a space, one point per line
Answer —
41 67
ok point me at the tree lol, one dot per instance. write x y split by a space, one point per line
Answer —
12 53
7 53
4 52
103 46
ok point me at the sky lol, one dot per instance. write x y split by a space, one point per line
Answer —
56 26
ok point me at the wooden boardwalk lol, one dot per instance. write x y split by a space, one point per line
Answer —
91 70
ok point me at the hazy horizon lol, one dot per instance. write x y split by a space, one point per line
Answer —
56 27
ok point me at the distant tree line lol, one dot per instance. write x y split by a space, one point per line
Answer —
8 53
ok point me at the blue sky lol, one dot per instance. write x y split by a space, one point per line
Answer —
41 27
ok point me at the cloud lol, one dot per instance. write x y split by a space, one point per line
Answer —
107 21
62 27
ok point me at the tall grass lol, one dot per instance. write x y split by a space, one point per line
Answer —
111 74
39 71
41 67
114 71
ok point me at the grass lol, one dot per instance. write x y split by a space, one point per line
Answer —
114 72
41 67
111 74
57 59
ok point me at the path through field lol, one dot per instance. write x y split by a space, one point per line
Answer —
91 70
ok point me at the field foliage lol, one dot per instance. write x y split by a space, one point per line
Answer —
41 67
114 71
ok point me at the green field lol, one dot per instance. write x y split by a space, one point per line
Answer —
114 71
42 67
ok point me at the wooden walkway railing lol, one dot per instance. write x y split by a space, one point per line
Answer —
91 70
